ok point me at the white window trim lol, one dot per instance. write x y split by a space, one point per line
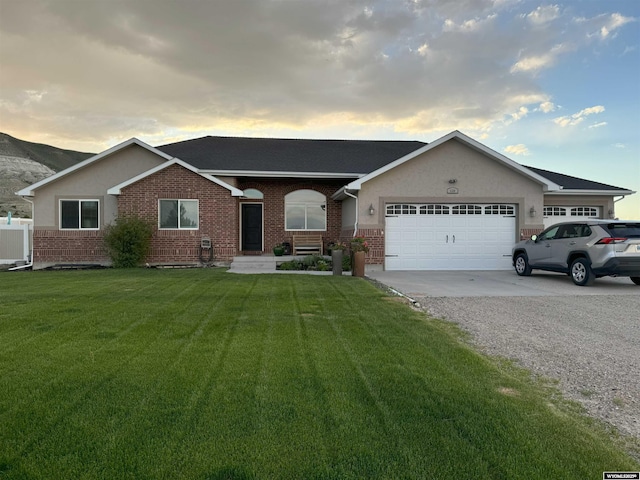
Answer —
160 227
305 205
78 200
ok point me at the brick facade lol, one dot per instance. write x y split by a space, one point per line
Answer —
68 246
218 215
219 219
375 240
274 191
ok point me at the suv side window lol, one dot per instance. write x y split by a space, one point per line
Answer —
584 231
568 231
548 234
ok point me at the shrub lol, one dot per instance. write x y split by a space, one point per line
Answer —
127 241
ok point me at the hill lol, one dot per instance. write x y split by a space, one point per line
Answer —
23 163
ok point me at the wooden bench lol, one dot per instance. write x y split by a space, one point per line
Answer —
307 244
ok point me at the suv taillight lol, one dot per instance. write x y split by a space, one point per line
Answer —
609 240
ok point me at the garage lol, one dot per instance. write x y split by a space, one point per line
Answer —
557 213
449 236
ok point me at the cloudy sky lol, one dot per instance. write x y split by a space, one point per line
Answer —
551 85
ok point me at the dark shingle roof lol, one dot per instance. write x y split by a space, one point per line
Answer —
573 183
289 155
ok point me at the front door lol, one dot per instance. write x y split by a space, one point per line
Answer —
251 227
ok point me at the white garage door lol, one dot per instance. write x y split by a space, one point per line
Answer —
556 213
449 237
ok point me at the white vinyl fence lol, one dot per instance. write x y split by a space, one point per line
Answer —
15 240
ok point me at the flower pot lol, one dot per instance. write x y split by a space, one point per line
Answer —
336 260
357 264
278 251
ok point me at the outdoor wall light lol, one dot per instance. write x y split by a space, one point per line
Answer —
611 212
532 212
453 180
371 209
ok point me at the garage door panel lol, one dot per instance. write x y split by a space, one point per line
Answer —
461 241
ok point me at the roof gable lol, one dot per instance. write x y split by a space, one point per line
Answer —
28 191
469 142
117 189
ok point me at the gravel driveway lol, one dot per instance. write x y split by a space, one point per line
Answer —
587 338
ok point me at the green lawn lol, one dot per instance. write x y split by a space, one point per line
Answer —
201 374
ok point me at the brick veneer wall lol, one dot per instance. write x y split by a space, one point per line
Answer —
218 215
375 240
68 246
274 191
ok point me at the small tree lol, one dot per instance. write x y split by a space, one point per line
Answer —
128 240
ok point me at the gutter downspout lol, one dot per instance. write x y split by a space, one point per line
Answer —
355 225
30 264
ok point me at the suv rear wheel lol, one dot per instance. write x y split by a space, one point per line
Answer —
522 265
581 273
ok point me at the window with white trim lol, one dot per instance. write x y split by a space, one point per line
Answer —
554 211
178 214
434 209
253 193
401 209
499 210
584 212
305 210
466 210
79 214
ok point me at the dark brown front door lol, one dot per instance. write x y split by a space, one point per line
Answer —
252 227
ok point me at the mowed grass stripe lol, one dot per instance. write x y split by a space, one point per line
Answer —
203 374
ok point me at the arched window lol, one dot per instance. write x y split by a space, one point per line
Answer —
305 210
253 194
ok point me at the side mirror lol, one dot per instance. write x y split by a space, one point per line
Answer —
534 237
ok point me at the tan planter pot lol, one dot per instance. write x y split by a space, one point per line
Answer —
357 267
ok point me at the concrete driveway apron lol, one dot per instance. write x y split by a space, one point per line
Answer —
501 283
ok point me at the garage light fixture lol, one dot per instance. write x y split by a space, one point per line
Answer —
532 212
371 209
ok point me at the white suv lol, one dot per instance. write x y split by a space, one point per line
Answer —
584 250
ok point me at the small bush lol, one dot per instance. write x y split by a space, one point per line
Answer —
346 263
127 241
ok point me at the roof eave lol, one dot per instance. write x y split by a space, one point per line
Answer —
279 174
609 193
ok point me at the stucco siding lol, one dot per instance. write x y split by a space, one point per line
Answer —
92 182
429 177
604 203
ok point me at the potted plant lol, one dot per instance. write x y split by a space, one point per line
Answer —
359 247
337 252
278 250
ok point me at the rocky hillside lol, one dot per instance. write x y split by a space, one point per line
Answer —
23 163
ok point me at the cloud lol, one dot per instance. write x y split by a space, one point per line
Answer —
598 125
518 149
577 118
603 26
111 70
543 14
547 107
534 63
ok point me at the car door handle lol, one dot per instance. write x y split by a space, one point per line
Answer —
572 243
447 238
454 239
